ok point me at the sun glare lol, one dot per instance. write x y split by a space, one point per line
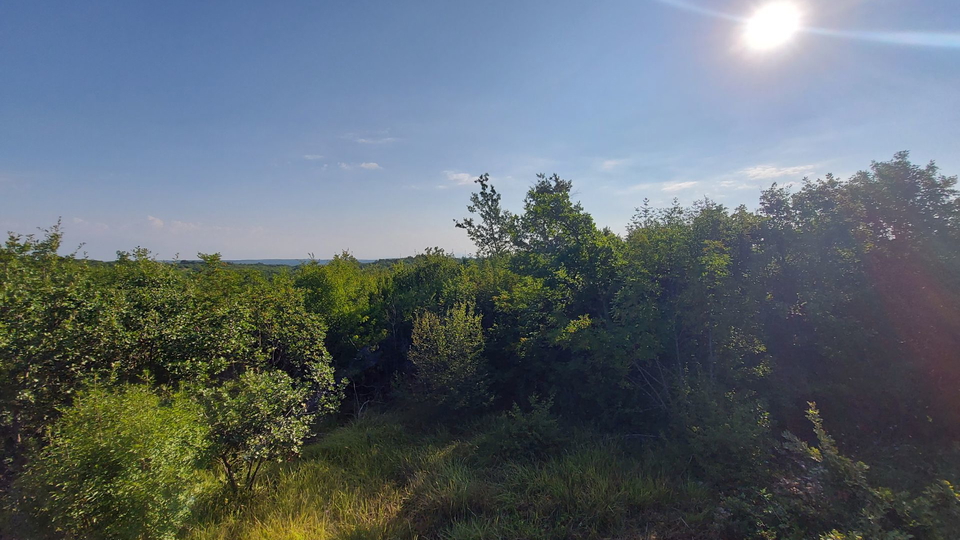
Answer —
772 25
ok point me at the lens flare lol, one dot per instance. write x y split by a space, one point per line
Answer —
772 26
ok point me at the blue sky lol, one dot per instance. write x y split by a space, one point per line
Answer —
277 129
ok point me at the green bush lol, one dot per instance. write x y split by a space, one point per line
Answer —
821 493
726 434
446 354
119 464
260 417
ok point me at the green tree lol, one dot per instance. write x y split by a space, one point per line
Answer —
57 327
340 292
493 233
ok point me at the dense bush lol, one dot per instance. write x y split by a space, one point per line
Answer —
120 463
815 491
449 372
725 434
260 417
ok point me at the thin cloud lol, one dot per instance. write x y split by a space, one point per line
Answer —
380 140
186 226
380 137
367 165
766 172
732 184
611 164
312 157
460 178
173 227
677 186
95 226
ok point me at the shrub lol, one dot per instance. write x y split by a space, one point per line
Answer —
822 492
446 355
259 417
523 435
119 464
727 434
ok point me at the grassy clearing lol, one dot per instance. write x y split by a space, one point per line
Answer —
375 479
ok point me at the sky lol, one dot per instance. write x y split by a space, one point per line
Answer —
282 129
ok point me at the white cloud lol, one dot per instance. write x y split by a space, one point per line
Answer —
611 164
765 172
380 140
460 178
156 223
677 186
368 165
733 184
312 157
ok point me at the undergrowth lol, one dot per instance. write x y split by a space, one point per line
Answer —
375 479
524 474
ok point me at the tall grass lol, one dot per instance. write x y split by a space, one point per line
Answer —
373 479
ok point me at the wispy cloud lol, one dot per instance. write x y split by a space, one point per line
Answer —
380 137
187 226
367 165
175 226
766 172
611 164
375 140
90 225
734 184
670 187
459 178
312 157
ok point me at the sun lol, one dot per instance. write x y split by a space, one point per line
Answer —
772 26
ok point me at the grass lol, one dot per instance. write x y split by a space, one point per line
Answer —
376 479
